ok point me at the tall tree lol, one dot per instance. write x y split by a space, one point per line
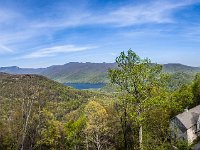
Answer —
96 125
196 89
140 81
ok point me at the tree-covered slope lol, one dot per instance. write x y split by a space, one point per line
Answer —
75 72
79 72
174 68
33 107
45 91
39 113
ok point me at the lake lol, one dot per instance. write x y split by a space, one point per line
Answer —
83 86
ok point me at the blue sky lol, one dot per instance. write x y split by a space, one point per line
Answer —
40 33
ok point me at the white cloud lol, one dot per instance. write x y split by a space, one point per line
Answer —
23 28
151 12
154 12
53 51
4 49
63 22
16 28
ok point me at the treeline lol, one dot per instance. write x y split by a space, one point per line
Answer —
37 113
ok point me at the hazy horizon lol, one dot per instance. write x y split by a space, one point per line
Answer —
35 34
86 62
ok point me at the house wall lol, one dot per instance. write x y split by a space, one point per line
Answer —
191 135
185 134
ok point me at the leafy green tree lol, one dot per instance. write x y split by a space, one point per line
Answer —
183 145
51 132
196 89
183 97
140 81
178 79
74 131
96 126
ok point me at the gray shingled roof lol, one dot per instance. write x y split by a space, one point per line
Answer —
189 119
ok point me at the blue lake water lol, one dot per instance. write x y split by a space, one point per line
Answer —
82 86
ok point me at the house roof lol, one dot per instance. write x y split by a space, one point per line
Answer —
189 118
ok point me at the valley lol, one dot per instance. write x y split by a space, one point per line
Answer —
75 72
40 113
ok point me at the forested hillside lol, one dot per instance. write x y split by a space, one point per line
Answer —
79 72
33 109
38 113
75 72
174 68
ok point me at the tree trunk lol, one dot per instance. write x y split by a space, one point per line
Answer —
140 138
87 145
30 103
98 142
124 129
125 141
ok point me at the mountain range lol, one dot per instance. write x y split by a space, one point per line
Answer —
75 72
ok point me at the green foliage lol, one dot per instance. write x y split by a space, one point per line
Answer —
74 128
79 72
37 113
196 89
141 84
182 145
96 72
51 133
179 68
179 79
183 97
96 125
142 88
33 111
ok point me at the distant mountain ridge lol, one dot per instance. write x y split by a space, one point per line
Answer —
79 72
75 72
176 67
17 70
